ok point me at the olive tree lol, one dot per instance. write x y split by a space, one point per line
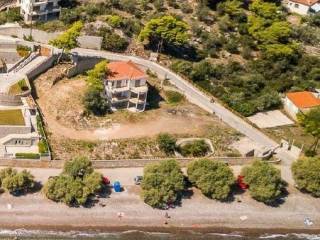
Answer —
264 180
16 182
306 173
68 39
162 183
75 184
93 100
213 178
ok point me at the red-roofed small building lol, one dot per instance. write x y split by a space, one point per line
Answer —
126 86
296 102
304 7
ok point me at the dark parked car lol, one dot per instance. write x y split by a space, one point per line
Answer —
138 180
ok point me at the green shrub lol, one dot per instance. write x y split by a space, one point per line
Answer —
75 184
167 143
162 183
197 148
28 155
174 97
213 178
16 183
306 175
43 148
265 183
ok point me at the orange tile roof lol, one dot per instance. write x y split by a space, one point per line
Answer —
124 70
303 99
306 2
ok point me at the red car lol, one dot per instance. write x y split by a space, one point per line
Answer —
240 182
105 180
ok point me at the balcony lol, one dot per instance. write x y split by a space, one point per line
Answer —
140 89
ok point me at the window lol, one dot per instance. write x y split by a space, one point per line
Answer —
137 83
296 5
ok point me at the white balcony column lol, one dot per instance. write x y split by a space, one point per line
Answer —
137 101
145 101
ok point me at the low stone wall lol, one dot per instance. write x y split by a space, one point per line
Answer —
127 163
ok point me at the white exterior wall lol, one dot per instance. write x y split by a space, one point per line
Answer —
298 8
290 108
143 82
34 8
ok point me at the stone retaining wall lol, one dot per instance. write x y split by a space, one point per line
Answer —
127 163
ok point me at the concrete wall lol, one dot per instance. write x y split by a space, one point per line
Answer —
7 130
44 66
7 100
298 8
290 108
82 64
90 42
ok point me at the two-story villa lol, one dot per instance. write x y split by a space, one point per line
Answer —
126 86
39 10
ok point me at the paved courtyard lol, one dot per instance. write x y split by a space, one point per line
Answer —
270 119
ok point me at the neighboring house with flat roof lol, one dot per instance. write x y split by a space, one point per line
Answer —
304 7
296 102
126 86
18 131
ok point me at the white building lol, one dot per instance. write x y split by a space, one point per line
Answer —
39 10
303 7
300 102
126 86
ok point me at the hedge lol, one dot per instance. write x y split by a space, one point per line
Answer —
28 155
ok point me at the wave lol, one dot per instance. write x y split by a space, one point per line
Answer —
42 234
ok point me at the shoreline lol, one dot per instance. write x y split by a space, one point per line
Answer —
95 230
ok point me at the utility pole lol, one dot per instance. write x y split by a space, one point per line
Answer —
30 36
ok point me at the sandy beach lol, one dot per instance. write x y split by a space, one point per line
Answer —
34 211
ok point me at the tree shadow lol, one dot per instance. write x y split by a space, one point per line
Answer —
186 52
280 200
95 199
37 187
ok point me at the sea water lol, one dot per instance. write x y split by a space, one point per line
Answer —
140 235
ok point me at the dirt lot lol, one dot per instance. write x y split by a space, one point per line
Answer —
122 134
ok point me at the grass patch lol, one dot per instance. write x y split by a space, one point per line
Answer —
19 87
11 117
174 97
